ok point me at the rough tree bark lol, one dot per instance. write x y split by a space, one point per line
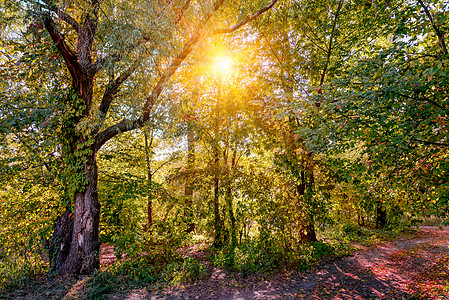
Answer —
83 257
61 240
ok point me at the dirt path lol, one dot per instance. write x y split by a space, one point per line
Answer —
407 268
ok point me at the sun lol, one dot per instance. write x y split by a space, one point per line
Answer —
223 65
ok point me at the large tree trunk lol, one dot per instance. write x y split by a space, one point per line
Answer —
61 240
75 242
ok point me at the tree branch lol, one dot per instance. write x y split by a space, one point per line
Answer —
244 22
86 39
331 41
67 53
183 9
281 64
97 65
437 30
112 89
127 125
429 143
62 15
313 33
421 99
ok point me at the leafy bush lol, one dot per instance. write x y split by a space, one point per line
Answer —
251 257
154 256
188 269
26 221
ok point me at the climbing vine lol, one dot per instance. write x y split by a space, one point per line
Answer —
76 146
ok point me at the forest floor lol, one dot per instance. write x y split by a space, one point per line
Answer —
415 266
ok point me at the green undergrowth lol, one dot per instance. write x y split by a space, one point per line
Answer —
159 265
19 270
143 272
249 258
351 234
268 255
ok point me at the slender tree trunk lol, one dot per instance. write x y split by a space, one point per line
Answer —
148 146
381 214
303 168
217 220
231 216
188 191
309 228
229 201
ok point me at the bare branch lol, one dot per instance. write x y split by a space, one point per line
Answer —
421 99
181 13
244 22
429 143
311 30
281 65
332 39
99 63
